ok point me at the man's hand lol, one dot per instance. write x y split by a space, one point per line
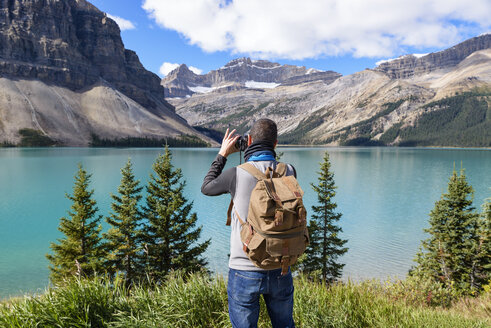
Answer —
228 143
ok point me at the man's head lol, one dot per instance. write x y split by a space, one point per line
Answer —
263 129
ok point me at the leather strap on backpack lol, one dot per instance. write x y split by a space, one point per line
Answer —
251 169
285 258
229 212
229 221
254 171
281 169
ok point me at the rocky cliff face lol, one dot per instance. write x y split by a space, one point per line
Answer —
69 48
70 43
182 82
409 65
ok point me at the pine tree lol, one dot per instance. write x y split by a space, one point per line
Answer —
81 251
169 235
482 265
452 255
123 239
320 260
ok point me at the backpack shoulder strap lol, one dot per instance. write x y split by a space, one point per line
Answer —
252 170
229 213
281 169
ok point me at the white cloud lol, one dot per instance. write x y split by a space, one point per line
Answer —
123 24
195 70
166 68
383 61
296 29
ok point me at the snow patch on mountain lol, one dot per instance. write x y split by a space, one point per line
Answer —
400 57
255 66
201 89
260 85
312 70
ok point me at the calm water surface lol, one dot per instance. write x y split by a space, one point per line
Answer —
385 195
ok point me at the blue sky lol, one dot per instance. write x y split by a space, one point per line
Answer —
346 36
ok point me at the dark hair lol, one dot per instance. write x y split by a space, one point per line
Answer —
264 129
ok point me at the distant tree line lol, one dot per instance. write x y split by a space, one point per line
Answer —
30 138
181 141
144 242
298 135
36 138
211 133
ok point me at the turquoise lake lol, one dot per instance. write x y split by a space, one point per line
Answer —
384 194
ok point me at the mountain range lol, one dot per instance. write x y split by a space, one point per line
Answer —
65 74
239 74
436 99
66 77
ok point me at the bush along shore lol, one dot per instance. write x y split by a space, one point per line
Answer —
196 300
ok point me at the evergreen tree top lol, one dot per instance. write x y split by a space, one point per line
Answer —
455 253
81 250
170 235
326 246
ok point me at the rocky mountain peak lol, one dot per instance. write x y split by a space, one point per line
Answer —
83 4
238 62
241 73
246 62
265 64
181 72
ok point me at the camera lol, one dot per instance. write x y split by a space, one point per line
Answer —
241 142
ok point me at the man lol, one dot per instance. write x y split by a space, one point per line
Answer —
247 282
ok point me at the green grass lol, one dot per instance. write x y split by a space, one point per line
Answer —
201 301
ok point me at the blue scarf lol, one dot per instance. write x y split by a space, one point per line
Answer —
264 155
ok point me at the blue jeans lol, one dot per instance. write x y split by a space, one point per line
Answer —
245 288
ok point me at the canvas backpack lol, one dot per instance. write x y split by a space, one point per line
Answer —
275 233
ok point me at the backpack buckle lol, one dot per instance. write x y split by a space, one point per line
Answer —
278 217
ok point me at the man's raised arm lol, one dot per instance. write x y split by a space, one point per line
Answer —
216 182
